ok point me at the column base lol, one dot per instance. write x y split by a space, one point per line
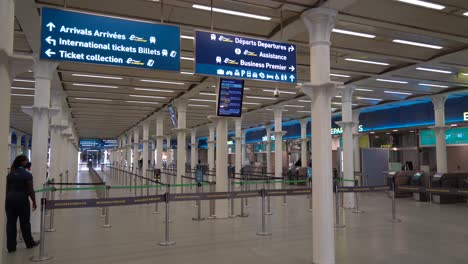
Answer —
167 243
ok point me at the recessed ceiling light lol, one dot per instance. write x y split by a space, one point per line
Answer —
395 130
251 103
186 58
230 12
22 88
141 102
423 4
394 92
388 133
368 98
363 90
97 76
164 82
186 37
353 33
28 95
212 94
154 90
433 85
196 105
390 81
188 73
338 96
202 100
433 70
96 85
147 96
454 125
411 131
417 44
339 75
260 97
372 132
93 99
24 80
297 106
367 61
281 91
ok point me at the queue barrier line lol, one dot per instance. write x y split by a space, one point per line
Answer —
75 183
270 181
433 190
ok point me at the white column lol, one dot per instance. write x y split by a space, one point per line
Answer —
356 136
7 18
136 143
304 140
268 148
441 148
169 150
181 106
278 133
56 141
40 131
348 160
153 153
145 147
10 147
66 158
319 23
244 148
238 141
159 139
129 152
18 143
211 146
193 148
221 206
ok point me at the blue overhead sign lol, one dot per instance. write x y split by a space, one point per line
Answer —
240 57
79 37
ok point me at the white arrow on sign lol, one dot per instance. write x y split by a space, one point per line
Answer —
292 78
291 48
50 40
49 53
50 26
292 68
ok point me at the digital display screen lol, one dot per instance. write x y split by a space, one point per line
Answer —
230 97
172 114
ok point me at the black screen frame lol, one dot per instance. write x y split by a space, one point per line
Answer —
219 97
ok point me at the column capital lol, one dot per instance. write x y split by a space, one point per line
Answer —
329 87
277 109
217 118
355 115
344 124
438 101
347 94
278 133
44 69
303 121
159 137
30 110
238 138
319 23
439 128
210 141
177 130
193 144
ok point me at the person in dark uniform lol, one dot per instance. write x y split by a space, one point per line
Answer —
19 190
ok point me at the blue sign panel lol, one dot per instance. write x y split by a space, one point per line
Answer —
230 97
233 56
79 37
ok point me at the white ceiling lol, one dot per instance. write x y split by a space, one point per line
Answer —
386 19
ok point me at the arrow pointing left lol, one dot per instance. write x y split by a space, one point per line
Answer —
50 40
49 53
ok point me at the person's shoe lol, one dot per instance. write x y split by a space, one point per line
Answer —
33 244
11 250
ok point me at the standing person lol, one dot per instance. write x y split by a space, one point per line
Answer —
19 190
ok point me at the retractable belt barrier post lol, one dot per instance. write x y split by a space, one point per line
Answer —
103 209
243 213
264 232
167 241
198 218
61 181
356 201
394 217
42 254
338 224
231 189
67 176
309 184
51 211
268 200
106 219
212 202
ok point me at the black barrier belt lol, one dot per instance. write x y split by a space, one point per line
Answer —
75 183
377 188
421 189
87 203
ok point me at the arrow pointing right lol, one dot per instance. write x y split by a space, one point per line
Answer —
50 25
292 68
49 53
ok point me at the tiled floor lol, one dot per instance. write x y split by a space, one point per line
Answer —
429 233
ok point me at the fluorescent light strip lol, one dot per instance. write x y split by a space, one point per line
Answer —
363 90
453 125
93 99
260 97
164 82
393 92
367 61
297 106
24 80
154 90
433 85
433 70
142 102
303 111
412 43
353 33
186 37
22 88
97 76
272 91
147 96
96 85
271 109
339 103
251 103
391 81
196 105
212 94
423 4
465 74
340 75
202 100
186 58
465 14
368 98
184 72
304 101
28 95
231 12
